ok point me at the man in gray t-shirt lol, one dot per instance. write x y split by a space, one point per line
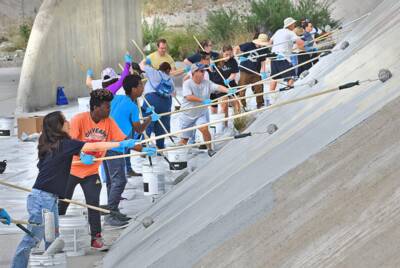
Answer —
196 92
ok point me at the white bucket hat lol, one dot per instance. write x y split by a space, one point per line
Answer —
108 74
262 40
288 21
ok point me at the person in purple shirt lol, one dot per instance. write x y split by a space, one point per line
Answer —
110 79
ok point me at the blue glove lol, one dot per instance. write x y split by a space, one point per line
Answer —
155 117
4 215
264 75
232 91
148 61
87 159
128 58
89 72
150 151
280 57
206 101
227 82
242 59
127 143
212 65
187 69
149 109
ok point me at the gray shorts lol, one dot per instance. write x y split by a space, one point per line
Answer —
187 122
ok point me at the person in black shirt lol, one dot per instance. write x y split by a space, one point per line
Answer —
254 61
55 152
229 69
195 58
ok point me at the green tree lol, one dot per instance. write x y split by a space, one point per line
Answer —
154 31
222 25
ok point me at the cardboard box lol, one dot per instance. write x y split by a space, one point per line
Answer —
29 125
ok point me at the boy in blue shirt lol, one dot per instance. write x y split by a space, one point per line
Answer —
125 113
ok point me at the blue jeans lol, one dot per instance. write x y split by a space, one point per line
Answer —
116 179
161 105
37 201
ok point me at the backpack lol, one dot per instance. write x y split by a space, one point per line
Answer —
164 88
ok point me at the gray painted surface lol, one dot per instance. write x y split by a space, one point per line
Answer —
212 206
96 32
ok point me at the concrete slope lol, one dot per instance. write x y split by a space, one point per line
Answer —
237 188
96 33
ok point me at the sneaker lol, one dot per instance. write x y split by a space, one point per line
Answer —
211 152
203 147
97 242
132 173
114 221
122 217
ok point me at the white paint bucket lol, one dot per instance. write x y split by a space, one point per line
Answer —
84 104
153 179
178 159
6 126
219 127
74 230
37 259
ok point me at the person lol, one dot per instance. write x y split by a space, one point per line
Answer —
56 150
160 56
125 113
195 58
229 69
109 78
158 91
196 91
4 215
308 38
282 45
92 126
205 59
253 62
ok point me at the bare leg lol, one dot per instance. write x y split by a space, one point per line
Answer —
272 85
206 135
183 141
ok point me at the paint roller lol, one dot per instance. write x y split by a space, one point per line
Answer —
56 247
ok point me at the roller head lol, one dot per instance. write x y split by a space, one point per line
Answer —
147 221
272 128
304 74
49 226
344 45
312 82
384 75
56 247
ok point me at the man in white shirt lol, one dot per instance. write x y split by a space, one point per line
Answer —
283 41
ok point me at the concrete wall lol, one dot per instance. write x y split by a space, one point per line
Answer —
96 33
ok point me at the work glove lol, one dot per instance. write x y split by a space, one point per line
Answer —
280 57
206 101
149 109
212 65
155 117
187 69
148 61
150 151
4 215
232 91
127 143
86 159
128 58
227 82
264 75
242 59
89 72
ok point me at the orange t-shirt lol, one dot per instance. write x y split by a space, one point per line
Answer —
83 128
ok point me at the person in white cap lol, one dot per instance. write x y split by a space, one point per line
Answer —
196 91
253 63
282 45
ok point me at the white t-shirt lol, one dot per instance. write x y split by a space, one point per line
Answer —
283 41
202 90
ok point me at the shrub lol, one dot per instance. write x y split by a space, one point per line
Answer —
181 43
270 14
222 25
152 32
